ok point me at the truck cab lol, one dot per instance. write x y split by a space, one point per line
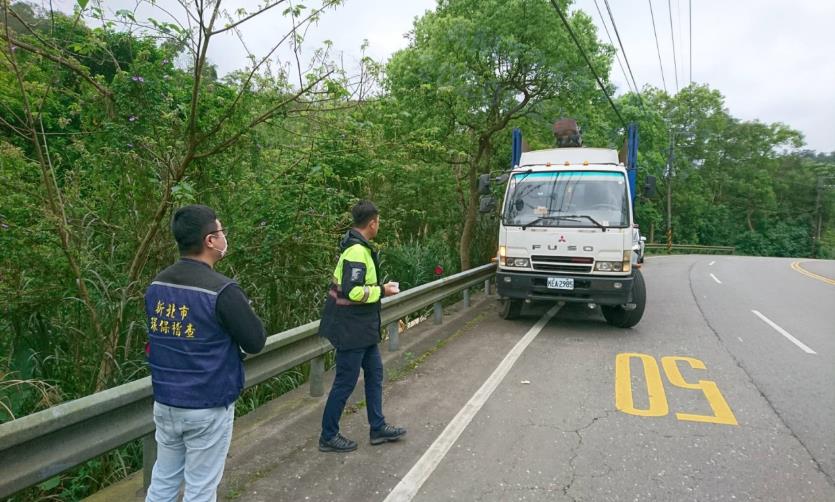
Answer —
567 234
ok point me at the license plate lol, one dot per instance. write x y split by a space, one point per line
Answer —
560 283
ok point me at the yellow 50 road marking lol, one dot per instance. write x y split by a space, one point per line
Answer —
655 389
657 406
796 266
722 413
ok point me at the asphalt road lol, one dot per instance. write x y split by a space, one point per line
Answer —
703 400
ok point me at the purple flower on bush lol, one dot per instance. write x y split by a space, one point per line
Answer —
137 78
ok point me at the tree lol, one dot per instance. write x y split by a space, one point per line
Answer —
162 124
736 182
472 67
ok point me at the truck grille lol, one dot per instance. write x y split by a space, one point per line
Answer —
576 264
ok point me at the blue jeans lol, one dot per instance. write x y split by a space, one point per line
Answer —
348 364
191 446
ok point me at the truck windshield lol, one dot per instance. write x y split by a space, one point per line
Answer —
567 199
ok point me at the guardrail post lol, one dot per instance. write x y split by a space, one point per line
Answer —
438 314
394 336
149 457
317 372
487 287
467 298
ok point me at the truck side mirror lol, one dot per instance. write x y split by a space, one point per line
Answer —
484 184
486 204
503 178
649 186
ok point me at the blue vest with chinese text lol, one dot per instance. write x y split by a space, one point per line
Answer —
194 363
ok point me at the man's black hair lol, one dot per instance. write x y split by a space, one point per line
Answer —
190 225
363 212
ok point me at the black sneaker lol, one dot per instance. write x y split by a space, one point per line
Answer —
338 443
387 433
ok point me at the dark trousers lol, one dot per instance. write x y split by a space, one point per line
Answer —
348 364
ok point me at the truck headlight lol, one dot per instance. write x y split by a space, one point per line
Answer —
608 266
510 261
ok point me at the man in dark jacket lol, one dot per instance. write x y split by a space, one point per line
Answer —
351 322
198 323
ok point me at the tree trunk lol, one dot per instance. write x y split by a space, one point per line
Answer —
470 215
485 149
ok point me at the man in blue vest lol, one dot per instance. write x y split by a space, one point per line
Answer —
351 322
199 324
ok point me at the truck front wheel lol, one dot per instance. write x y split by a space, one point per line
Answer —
511 308
618 315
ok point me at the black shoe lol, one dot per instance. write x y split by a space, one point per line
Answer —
387 433
338 443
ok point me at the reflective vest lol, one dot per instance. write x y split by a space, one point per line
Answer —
194 363
351 316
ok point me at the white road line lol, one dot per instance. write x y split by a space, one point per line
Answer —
715 279
711 263
408 487
785 333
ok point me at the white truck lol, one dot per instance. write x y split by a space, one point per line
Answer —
567 233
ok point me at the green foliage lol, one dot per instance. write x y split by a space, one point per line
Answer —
413 263
733 182
471 68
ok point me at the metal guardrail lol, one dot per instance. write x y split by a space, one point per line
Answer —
686 248
39 446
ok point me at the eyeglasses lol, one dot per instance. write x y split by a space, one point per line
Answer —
224 230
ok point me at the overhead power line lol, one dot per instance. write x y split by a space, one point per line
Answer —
657 45
673 38
622 50
680 39
606 28
588 62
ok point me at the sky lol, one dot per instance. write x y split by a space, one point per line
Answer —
771 59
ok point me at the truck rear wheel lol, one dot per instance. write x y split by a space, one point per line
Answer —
617 315
511 308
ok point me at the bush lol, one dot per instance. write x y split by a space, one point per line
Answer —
413 263
753 243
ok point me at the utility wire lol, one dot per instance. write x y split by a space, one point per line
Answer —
622 50
657 45
588 62
605 27
673 38
680 38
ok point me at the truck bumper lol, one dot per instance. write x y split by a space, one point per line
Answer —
587 289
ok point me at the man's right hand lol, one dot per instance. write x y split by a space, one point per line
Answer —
391 288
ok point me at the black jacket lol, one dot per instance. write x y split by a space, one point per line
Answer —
346 324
